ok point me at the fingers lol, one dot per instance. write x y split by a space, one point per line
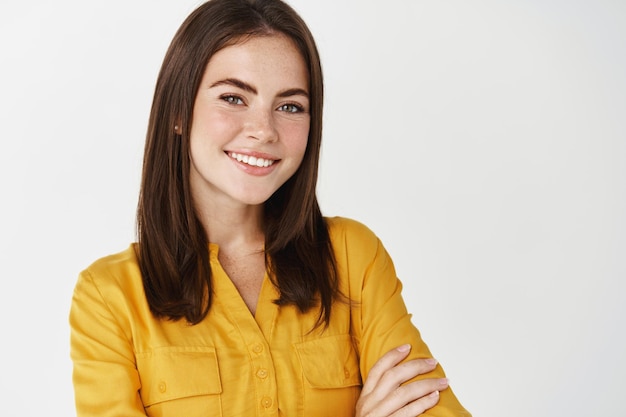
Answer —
383 393
414 398
418 406
394 377
386 374
386 362
404 401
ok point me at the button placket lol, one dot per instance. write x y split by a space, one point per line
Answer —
264 379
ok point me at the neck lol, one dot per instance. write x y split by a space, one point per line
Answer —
235 230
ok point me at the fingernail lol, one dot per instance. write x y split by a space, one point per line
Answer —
444 382
434 394
431 361
403 348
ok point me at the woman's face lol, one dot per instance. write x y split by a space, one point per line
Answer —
250 122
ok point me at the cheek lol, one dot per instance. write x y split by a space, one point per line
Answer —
295 137
213 127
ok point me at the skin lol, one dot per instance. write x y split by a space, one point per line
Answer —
383 394
253 102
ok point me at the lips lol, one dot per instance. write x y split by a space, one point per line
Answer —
254 161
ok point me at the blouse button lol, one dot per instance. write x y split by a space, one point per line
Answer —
162 386
346 372
258 348
261 373
267 402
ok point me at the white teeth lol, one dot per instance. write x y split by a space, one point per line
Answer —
251 160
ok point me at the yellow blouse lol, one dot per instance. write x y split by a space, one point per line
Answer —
127 363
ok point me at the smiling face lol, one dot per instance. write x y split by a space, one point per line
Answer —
250 123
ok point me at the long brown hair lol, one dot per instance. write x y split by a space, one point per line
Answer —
172 244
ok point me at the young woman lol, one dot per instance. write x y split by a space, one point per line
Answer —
239 298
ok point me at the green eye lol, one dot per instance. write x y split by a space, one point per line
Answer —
291 108
232 99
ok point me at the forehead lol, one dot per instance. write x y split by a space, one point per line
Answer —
274 56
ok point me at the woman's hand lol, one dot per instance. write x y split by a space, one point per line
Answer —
384 396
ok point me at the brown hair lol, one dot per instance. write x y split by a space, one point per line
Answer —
172 244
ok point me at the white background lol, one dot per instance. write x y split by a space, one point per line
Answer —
483 141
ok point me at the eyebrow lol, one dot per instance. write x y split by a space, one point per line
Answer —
249 88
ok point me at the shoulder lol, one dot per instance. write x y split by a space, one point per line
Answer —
352 237
362 262
115 265
340 227
343 228
107 305
114 274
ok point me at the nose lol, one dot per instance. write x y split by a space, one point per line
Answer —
261 125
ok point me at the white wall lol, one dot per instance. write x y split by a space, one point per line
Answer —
483 141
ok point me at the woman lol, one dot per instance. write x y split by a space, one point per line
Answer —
239 298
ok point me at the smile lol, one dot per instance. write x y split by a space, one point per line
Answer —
252 160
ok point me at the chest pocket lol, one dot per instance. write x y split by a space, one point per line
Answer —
180 381
330 367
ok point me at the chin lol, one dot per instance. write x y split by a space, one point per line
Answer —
254 196
254 200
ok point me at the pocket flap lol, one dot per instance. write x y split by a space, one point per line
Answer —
329 362
176 372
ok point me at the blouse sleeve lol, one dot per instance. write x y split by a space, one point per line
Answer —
380 318
105 377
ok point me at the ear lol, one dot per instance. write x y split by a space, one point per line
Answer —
177 129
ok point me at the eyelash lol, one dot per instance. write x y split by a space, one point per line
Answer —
232 99
237 101
298 108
